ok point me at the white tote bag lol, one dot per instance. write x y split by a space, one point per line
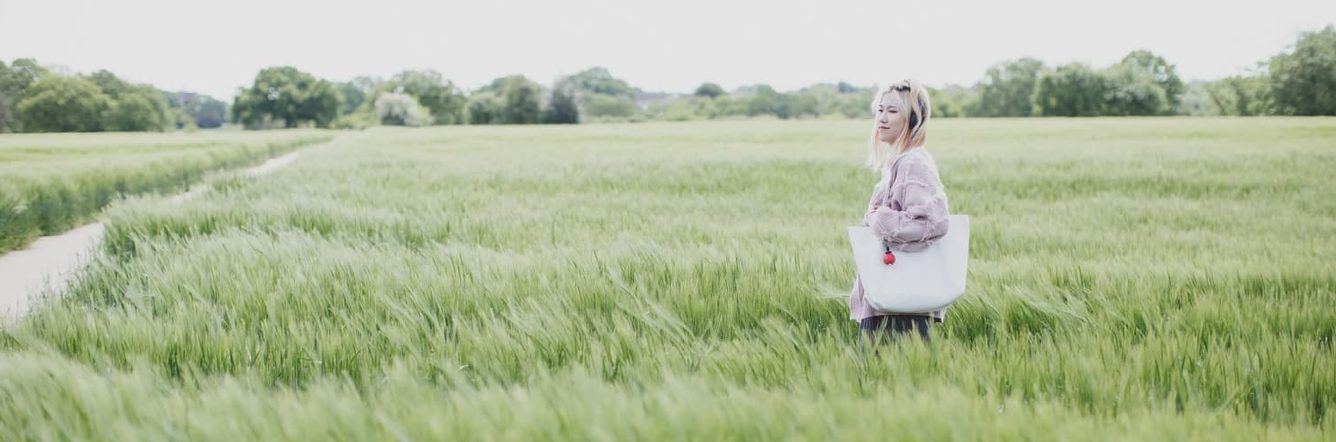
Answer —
918 282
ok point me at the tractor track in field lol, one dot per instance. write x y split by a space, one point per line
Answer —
45 267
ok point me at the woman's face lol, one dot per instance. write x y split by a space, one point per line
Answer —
890 118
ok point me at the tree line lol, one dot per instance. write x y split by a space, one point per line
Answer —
34 98
287 97
1299 81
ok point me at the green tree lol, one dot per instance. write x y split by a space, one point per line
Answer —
829 99
134 107
109 83
950 101
804 103
562 108
855 102
762 99
597 80
209 112
8 100
1134 91
485 107
521 100
524 102
599 94
137 112
609 106
439 95
710 90
1303 82
287 95
1163 74
1007 89
1241 95
397 109
14 82
356 92
57 103
684 108
1071 90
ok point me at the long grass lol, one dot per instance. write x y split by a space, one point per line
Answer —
1130 279
51 183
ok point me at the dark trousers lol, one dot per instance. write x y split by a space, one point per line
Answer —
889 327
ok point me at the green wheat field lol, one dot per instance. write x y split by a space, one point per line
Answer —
1130 279
53 182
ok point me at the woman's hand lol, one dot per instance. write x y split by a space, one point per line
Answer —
871 209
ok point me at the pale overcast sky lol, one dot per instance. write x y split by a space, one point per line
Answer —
668 45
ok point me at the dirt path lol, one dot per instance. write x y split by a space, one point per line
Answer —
46 266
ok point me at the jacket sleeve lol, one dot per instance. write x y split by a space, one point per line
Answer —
872 204
922 214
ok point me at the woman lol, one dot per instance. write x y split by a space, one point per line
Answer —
908 208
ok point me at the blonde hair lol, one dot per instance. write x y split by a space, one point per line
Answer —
914 101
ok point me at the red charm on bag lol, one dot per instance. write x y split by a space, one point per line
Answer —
889 258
